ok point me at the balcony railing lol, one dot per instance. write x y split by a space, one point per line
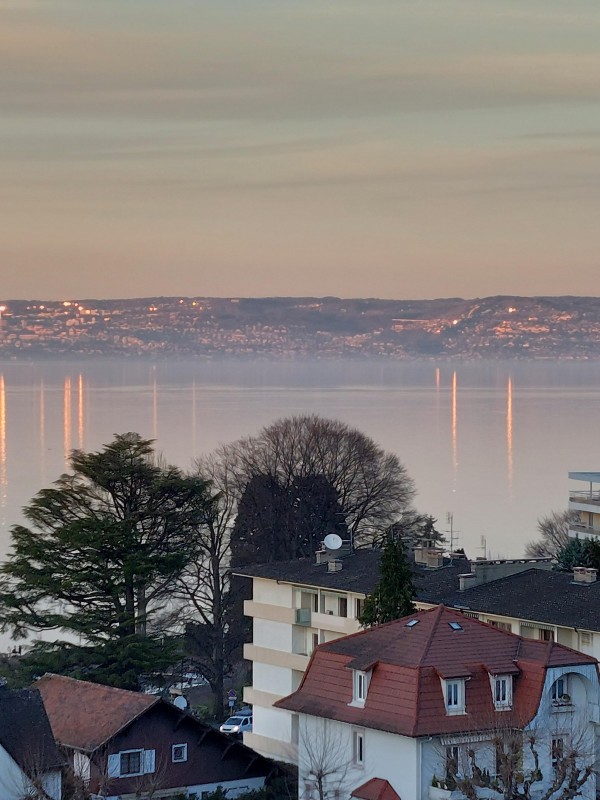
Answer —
586 530
584 497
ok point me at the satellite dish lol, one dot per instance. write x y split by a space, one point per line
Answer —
332 541
180 702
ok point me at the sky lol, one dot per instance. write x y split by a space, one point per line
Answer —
356 148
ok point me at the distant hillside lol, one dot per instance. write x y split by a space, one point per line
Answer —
284 328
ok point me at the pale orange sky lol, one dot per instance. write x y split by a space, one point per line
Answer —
380 148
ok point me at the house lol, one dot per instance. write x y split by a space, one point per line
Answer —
30 762
297 605
537 604
584 501
124 743
394 710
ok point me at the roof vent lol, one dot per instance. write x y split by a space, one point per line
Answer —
585 574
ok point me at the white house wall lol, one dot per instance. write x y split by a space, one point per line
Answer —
393 758
14 785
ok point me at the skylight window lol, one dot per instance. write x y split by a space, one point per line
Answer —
455 626
412 623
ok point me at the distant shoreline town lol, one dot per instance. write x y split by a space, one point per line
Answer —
492 328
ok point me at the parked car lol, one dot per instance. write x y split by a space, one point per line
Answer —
236 725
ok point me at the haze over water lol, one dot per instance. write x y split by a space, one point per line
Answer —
492 443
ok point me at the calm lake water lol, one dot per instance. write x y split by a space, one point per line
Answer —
491 443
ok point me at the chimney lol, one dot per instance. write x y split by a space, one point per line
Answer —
321 556
488 570
335 565
435 559
584 575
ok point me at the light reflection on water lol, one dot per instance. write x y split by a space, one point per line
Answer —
492 443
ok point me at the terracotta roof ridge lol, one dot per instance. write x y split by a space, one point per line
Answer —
96 686
438 611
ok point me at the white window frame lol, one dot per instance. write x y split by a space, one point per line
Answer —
185 753
360 687
504 702
557 694
454 695
130 774
358 747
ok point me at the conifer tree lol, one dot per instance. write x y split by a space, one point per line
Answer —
392 597
99 559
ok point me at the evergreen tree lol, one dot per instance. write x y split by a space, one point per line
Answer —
103 550
392 598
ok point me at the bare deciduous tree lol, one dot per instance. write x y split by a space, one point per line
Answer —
323 763
371 486
519 766
554 534
206 600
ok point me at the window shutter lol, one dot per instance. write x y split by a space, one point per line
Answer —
149 761
114 765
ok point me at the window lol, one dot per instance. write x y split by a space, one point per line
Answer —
502 626
358 747
546 636
342 607
587 639
560 694
179 753
452 762
502 690
360 687
360 607
131 762
557 753
454 695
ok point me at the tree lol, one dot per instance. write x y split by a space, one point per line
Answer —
356 484
518 768
275 523
323 760
554 534
392 597
579 553
416 529
104 548
207 600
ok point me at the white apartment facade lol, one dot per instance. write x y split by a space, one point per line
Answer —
584 500
289 620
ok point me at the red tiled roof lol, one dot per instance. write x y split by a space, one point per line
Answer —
405 691
375 789
84 715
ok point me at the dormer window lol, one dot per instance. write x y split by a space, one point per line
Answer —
454 695
360 687
502 692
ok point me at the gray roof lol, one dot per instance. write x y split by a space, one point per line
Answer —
359 573
25 731
536 595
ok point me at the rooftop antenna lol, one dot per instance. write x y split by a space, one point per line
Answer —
484 546
450 522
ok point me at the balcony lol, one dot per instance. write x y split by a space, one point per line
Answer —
303 617
583 531
579 496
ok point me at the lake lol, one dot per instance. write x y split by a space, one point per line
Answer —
490 443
